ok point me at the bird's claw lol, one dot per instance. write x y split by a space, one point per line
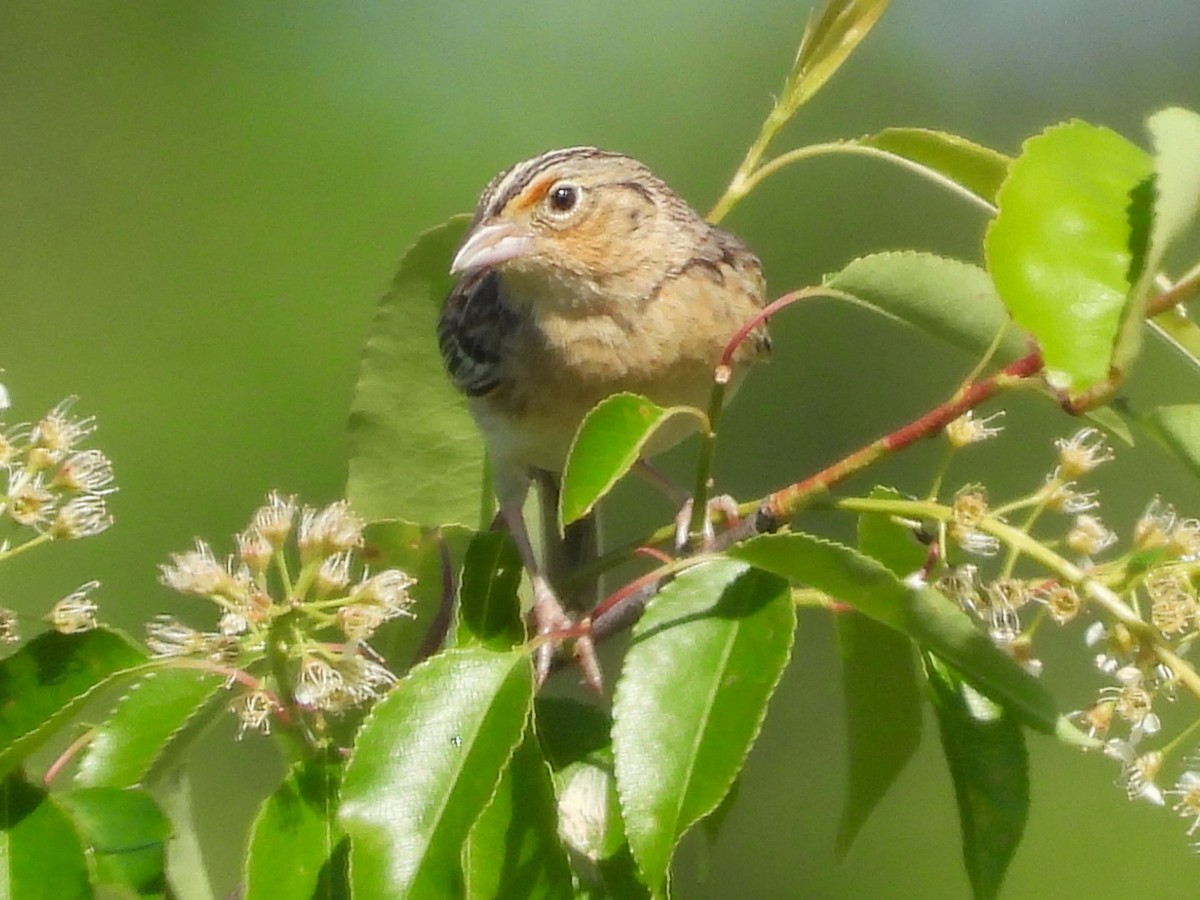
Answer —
722 503
553 626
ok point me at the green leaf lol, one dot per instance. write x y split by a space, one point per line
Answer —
985 750
977 169
1162 211
426 763
150 726
950 300
571 731
1182 335
921 613
577 740
1178 429
830 36
125 834
489 611
414 450
186 872
1175 135
295 841
882 707
589 810
619 877
609 441
1059 248
890 542
1114 422
1173 207
41 857
48 679
432 556
881 696
704 661
514 850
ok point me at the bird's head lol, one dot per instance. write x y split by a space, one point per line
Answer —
575 226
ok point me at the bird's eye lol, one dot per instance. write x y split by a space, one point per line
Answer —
563 197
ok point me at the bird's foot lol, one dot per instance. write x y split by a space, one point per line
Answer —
723 504
554 626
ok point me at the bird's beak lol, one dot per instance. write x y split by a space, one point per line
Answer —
490 245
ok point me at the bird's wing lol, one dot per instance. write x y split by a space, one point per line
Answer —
471 331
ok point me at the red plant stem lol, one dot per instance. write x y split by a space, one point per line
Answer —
618 596
785 503
761 316
67 755
623 607
654 553
240 676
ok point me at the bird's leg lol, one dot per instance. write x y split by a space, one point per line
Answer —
722 503
548 613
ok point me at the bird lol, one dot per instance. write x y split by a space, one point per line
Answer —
583 275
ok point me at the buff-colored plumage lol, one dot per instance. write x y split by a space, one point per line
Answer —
583 274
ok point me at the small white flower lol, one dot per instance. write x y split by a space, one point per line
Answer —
1082 452
75 612
967 429
273 521
82 516
334 529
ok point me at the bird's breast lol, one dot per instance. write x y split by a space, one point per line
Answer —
564 360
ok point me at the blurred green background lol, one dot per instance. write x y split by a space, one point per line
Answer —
201 201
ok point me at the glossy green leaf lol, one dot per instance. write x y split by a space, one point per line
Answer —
985 751
295 842
920 612
704 661
414 451
950 300
150 726
1059 248
830 36
881 695
514 849
489 611
1178 429
426 763
48 679
41 856
608 443
977 169
125 834
434 557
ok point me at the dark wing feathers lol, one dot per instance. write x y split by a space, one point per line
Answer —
471 331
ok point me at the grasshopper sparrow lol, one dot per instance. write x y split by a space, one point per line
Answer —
583 275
